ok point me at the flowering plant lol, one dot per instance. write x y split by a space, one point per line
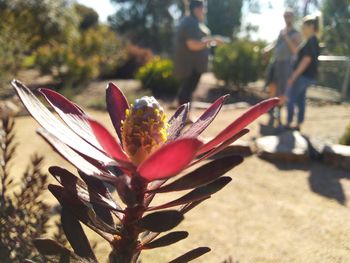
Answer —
147 151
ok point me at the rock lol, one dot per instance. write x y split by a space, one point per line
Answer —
337 155
289 146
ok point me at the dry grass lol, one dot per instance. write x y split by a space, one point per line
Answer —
267 214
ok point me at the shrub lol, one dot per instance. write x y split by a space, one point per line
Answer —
346 137
135 58
157 76
96 51
238 63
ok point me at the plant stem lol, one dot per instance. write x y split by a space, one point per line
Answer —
124 248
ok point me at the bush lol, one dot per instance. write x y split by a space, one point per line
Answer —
136 57
95 52
157 76
346 137
238 63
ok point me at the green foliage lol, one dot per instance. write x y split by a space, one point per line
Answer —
95 52
88 17
238 62
135 58
224 17
336 26
23 214
146 23
157 76
346 137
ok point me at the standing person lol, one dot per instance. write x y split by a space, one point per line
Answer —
305 70
192 50
282 61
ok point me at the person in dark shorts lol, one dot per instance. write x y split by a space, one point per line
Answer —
192 50
305 71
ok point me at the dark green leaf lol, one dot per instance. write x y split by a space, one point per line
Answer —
203 175
196 194
166 240
161 221
191 255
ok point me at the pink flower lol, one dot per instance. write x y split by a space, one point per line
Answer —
146 151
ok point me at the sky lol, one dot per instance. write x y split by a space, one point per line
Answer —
269 20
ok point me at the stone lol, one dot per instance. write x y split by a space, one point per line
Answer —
290 146
337 155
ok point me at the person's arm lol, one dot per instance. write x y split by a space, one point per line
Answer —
197 45
292 43
304 63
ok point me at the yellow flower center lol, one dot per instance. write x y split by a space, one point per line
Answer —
144 129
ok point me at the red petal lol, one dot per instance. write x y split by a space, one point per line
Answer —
251 115
107 141
222 146
71 114
117 104
169 160
55 127
74 158
178 121
207 117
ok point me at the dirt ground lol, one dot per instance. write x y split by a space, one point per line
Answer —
271 212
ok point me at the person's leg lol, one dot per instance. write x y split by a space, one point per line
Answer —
188 85
291 100
301 99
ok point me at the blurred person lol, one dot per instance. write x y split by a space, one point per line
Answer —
282 61
305 70
192 50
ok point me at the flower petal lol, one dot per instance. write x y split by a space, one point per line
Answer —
169 160
48 121
71 114
74 158
221 146
117 104
207 117
178 121
252 114
107 141
203 175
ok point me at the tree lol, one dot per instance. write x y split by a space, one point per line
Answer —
336 26
88 16
302 7
146 23
224 17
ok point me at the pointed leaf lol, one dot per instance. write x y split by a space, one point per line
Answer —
81 190
252 114
178 121
161 221
75 235
166 240
207 117
74 158
72 115
79 210
50 247
203 175
117 104
191 255
196 194
50 123
107 141
169 160
189 206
